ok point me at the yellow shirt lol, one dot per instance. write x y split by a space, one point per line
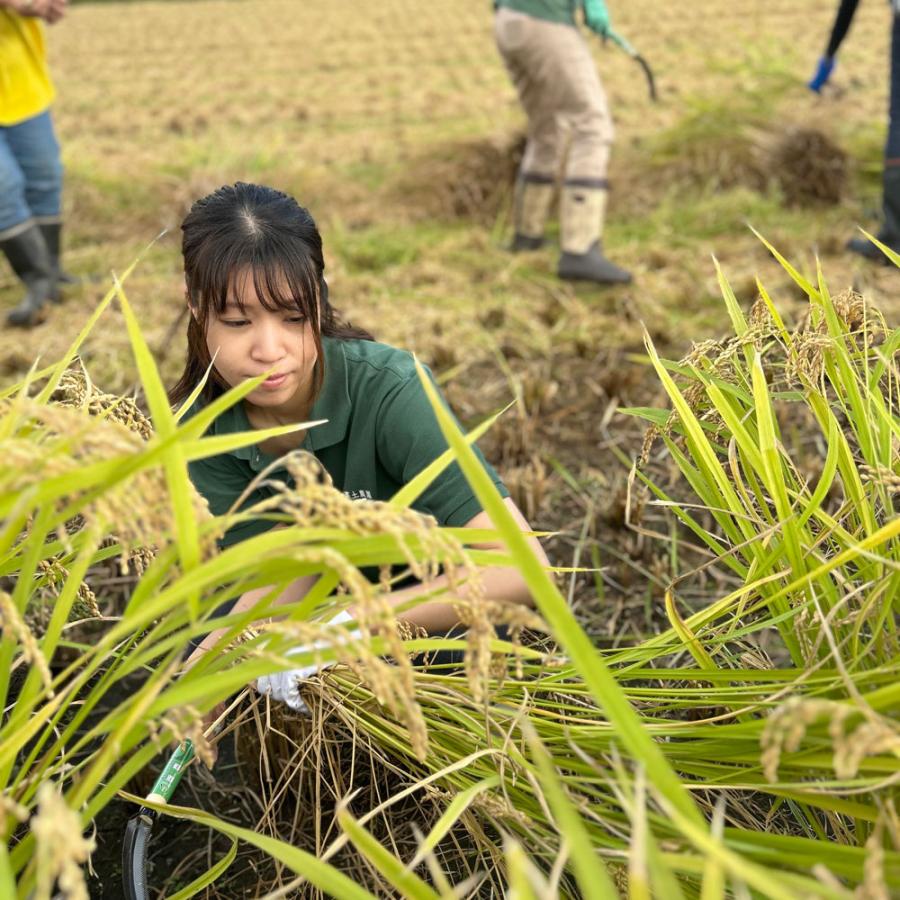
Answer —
25 86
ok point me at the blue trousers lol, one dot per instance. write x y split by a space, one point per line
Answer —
892 148
31 174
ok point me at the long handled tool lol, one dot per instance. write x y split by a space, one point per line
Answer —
623 44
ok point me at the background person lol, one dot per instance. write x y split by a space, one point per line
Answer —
560 90
890 197
258 302
30 168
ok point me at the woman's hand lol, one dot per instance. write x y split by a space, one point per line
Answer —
285 686
51 11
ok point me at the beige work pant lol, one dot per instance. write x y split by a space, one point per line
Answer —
560 90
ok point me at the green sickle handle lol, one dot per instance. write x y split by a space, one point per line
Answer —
623 44
168 779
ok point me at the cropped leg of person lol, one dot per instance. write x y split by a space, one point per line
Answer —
889 232
521 40
39 157
30 191
585 185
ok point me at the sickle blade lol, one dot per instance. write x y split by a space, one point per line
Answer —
134 855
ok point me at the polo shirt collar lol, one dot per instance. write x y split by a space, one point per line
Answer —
332 404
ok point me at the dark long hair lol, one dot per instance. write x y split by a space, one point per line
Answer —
244 227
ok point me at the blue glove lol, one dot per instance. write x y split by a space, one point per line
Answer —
823 73
596 16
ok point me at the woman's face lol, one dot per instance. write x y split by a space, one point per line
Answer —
251 341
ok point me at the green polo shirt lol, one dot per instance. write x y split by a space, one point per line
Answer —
380 432
560 11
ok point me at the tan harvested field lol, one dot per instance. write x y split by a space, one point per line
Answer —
366 115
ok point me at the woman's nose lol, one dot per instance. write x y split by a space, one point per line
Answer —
267 345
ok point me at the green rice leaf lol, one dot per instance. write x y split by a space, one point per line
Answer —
738 322
802 282
180 488
405 881
593 879
556 613
892 255
209 876
318 873
412 490
449 817
60 368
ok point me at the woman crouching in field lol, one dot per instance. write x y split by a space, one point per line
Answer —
258 302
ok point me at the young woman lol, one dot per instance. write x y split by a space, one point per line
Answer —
258 304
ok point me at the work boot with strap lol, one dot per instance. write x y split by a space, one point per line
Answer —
889 232
582 212
531 205
52 232
28 256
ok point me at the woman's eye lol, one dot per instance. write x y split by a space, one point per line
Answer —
297 320
233 323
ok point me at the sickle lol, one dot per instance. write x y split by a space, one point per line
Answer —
623 44
140 825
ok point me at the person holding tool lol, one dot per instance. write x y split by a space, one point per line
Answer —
889 233
554 74
258 304
30 168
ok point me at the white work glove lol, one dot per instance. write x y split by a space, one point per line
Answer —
285 686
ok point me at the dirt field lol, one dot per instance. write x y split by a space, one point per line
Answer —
396 124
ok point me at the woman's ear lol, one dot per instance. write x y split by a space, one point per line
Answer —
187 300
193 309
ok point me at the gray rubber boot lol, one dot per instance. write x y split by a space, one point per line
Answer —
591 266
582 213
889 233
52 232
534 194
28 256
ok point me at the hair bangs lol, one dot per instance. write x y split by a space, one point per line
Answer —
284 283
284 279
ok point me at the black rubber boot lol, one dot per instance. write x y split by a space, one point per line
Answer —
889 234
534 192
28 256
52 232
591 266
522 243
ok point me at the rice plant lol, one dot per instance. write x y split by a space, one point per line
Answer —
750 750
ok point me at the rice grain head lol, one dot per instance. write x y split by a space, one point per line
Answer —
15 627
61 849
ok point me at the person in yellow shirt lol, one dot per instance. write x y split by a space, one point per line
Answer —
30 167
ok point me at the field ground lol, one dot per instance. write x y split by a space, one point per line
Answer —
397 126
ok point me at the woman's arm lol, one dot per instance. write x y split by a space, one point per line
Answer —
294 592
501 584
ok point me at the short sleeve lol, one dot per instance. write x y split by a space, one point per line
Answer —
408 438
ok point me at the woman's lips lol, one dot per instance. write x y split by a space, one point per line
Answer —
274 381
